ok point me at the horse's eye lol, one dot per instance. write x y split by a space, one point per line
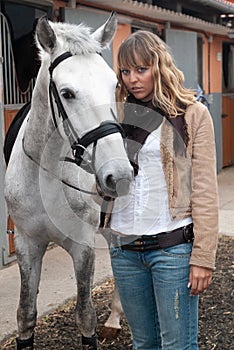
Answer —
67 94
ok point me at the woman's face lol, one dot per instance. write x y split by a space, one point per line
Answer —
139 81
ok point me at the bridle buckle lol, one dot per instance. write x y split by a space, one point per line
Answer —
78 152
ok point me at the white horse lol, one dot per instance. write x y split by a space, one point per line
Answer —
71 122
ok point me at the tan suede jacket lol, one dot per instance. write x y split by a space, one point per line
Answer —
192 182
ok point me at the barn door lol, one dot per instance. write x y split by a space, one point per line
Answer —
183 46
228 128
18 69
13 95
8 118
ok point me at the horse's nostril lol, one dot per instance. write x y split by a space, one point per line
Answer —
110 182
122 187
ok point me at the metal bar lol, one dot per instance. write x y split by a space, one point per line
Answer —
12 93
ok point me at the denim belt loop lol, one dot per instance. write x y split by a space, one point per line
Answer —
115 240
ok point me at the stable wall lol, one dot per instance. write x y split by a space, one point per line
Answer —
122 32
212 73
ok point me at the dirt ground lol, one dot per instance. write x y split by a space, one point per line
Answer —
57 330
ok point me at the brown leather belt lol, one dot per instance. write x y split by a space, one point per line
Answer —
159 241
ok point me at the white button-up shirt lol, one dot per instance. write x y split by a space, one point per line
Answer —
144 211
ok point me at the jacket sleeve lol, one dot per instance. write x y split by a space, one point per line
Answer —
204 199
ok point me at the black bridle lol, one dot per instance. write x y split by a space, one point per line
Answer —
79 145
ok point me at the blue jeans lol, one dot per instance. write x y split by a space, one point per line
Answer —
153 288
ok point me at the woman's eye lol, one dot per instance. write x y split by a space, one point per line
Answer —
125 71
141 69
67 94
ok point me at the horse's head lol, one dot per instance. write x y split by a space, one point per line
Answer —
83 87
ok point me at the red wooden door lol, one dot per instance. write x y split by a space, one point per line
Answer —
8 117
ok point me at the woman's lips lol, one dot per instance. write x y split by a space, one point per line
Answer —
136 89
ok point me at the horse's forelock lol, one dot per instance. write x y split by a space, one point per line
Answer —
76 38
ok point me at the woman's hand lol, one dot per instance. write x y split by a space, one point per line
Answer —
199 279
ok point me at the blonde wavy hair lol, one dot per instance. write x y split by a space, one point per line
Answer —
146 48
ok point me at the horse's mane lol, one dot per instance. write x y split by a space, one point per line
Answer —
75 38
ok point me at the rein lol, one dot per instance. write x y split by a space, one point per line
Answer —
78 145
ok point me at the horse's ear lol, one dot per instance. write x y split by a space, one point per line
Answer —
105 33
45 35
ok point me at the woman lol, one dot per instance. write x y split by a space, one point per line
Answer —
164 233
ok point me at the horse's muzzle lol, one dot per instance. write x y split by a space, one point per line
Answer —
119 187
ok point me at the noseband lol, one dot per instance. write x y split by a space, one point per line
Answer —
79 145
